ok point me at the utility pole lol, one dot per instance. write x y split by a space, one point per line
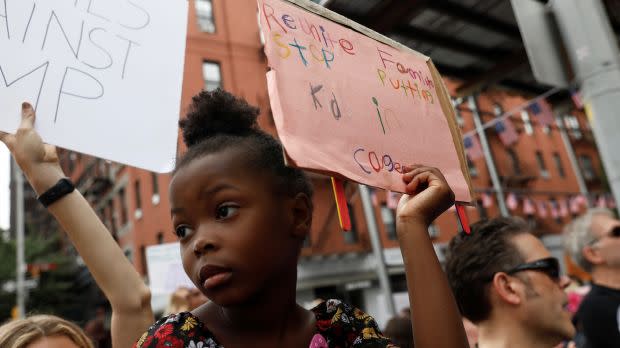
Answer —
377 248
488 156
18 181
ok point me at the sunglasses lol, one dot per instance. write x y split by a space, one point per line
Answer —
549 266
614 233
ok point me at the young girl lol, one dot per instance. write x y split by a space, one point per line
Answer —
241 217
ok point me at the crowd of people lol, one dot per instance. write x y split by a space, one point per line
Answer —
235 205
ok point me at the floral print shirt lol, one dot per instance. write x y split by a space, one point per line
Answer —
338 325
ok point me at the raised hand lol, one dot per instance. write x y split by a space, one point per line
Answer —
38 161
428 194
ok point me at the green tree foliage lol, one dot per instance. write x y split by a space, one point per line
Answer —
64 287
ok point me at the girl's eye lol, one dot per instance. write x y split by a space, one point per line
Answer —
183 231
226 211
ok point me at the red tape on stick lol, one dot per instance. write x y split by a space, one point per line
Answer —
462 214
341 204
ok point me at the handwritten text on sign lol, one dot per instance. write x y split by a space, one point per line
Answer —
348 104
104 76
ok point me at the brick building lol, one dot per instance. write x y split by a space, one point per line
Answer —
224 49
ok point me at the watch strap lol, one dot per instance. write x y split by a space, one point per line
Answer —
62 188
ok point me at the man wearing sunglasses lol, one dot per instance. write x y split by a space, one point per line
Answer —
507 283
593 240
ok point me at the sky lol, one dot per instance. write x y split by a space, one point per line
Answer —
4 187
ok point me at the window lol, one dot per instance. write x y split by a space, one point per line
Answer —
558 165
433 231
498 110
138 212
113 216
587 167
123 204
473 171
72 160
155 183
155 187
514 159
482 211
527 122
204 12
143 259
572 126
129 253
389 221
350 237
541 165
212 75
459 118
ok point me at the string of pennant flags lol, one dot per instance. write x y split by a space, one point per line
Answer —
508 135
506 130
555 207
572 204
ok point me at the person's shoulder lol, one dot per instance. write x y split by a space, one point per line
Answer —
338 321
599 297
174 330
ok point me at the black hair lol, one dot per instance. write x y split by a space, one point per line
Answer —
473 259
217 120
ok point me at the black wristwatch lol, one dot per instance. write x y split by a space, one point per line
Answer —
62 188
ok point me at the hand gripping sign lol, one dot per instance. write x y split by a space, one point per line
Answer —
105 76
351 103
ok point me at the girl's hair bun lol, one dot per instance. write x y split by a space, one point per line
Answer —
217 112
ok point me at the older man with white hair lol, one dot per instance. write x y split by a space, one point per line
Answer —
593 240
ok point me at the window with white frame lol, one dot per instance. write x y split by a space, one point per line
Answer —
541 165
558 165
527 122
389 221
498 110
459 118
587 167
572 126
204 12
473 171
212 75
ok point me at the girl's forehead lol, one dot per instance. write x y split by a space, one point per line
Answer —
220 168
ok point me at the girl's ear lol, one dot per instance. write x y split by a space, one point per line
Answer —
302 215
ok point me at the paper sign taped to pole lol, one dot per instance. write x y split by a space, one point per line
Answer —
349 102
105 77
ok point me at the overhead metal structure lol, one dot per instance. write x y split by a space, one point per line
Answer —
476 42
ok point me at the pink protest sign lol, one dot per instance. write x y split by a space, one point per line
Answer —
349 105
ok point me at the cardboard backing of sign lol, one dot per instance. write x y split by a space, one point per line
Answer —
351 103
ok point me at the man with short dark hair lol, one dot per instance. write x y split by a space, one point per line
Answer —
506 282
593 240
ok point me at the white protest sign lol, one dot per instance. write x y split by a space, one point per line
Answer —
165 269
105 76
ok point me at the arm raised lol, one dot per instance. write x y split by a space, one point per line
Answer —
435 317
115 275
